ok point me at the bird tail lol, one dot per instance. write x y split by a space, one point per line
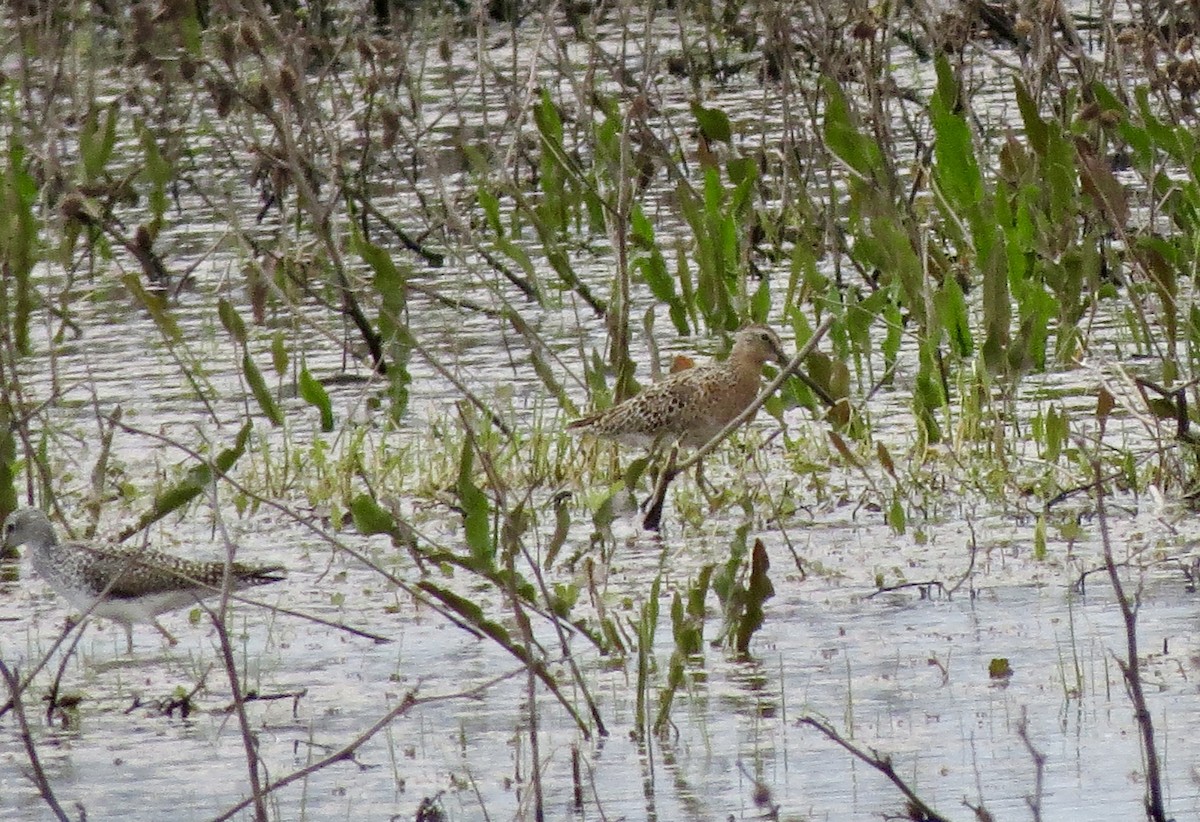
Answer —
265 575
584 422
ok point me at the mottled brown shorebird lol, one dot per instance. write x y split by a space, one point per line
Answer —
692 405
124 585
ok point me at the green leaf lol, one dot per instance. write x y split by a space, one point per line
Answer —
179 494
563 599
370 517
313 393
157 170
1164 137
1039 538
229 456
262 394
231 320
546 116
97 138
475 510
952 311
472 616
19 232
896 518
652 265
724 578
491 210
758 590
193 483
856 150
471 613
1058 433
392 287
9 467
928 396
742 170
956 170
894 323
279 354
1036 129
562 527
713 123
190 30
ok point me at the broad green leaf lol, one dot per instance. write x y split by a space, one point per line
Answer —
96 139
392 287
279 354
491 210
157 170
758 590
713 123
956 170
1035 128
193 483
313 393
370 517
896 518
562 528
262 394
546 116
743 172
476 511
19 237
231 320
190 31
953 316
842 136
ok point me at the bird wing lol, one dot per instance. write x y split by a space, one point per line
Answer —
141 573
669 403
127 574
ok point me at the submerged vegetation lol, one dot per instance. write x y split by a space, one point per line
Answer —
357 265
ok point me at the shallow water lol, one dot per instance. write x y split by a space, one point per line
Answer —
905 676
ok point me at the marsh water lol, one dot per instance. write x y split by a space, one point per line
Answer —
891 635
909 675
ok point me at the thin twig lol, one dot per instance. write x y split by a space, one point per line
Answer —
1129 666
346 753
883 764
249 743
1039 763
39 775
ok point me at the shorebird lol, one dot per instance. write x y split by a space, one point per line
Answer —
124 585
690 406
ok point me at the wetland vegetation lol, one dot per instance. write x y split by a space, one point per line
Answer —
321 284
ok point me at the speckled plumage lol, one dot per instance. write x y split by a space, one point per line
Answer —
132 586
691 405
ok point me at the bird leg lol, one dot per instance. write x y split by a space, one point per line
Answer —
710 491
172 640
656 502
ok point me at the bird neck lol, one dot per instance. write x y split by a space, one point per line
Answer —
745 359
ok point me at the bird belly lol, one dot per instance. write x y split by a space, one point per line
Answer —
143 608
